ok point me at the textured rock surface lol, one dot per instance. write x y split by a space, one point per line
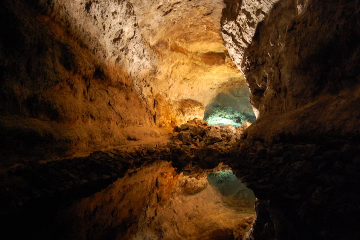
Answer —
193 63
302 65
239 22
109 29
104 66
70 98
302 68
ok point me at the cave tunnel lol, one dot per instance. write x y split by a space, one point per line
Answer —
230 108
180 119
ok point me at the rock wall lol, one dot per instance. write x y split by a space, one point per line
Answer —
109 29
302 68
73 79
239 22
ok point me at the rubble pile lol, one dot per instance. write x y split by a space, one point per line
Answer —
198 134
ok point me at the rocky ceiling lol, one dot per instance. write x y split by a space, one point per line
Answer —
192 60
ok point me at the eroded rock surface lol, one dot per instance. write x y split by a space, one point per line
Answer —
62 89
239 22
302 68
193 63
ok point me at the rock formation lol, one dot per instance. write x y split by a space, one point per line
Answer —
239 23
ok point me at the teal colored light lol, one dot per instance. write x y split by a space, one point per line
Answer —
228 184
222 176
221 121
224 115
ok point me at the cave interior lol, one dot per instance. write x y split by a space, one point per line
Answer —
180 119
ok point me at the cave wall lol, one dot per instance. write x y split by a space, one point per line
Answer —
300 157
300 57
73 79
193 63
239 22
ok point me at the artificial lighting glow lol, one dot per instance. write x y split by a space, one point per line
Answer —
228 184
222 121
224 115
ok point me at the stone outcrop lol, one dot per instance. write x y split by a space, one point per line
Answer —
239 22
197 134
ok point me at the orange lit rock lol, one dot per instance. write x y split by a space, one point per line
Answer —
155 202
192 60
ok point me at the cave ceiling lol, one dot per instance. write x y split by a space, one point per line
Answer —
192 61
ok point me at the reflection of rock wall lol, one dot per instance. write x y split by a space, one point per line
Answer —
231 188
151 201
72 198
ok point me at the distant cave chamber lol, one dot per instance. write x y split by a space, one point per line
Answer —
230 108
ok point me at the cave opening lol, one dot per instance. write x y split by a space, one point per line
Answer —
232 107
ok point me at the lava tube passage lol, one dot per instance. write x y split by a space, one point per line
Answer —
232 108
